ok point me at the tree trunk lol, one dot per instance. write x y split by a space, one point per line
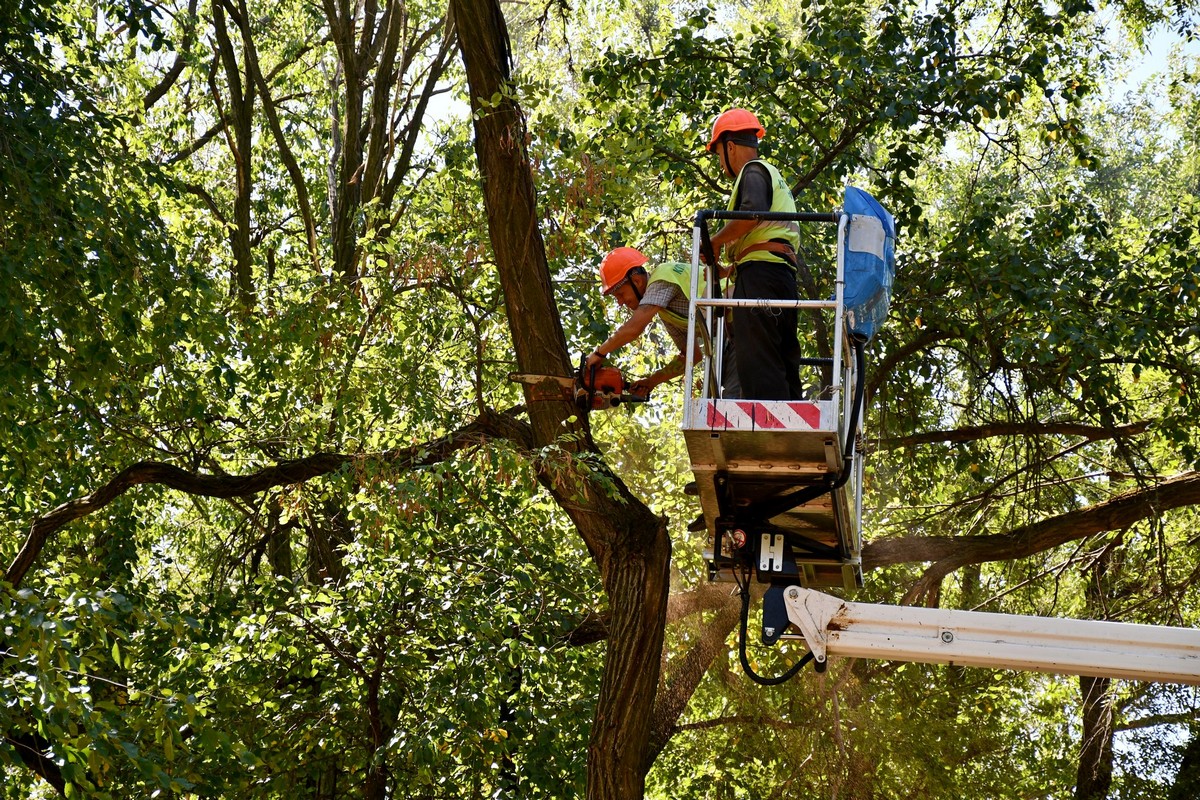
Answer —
346 195
1094 777
629 544
1096 752
240 141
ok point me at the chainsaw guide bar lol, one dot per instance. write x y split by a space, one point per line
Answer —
595 389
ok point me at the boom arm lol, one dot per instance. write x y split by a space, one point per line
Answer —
832 626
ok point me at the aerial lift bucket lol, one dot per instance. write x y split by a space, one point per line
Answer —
780 482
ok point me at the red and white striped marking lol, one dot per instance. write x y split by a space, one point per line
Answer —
751 415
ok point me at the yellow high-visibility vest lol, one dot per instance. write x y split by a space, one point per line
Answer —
767 230
678 274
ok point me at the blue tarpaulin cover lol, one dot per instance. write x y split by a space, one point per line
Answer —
870 260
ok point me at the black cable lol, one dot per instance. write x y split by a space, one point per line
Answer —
754 676
860 365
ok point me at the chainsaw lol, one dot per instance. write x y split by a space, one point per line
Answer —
591 389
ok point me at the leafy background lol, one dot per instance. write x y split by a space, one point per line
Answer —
233 239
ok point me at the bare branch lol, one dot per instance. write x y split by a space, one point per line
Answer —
705 597
172 75
879 374
254 72
1154 720
974 433
685 674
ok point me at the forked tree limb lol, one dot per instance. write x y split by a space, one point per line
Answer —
685 673
704 597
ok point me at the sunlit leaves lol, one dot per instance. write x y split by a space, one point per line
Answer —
410 623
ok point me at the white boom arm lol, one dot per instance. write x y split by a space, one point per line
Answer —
832 626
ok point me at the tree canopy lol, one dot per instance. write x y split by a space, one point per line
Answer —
279 525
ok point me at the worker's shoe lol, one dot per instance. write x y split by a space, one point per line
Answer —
691 489
698 524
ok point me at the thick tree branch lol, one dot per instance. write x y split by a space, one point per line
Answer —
346 193
705 597
1154 720
591 629
493 425
239 140
385 80
32 750
411 133
948 553
254 72
686 673
974 433
189 35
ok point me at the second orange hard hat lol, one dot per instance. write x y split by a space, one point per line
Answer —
616 265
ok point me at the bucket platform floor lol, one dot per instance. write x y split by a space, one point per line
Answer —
745 452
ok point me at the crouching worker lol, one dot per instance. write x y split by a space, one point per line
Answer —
662 292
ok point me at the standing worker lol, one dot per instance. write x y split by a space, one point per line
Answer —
764 255
662 292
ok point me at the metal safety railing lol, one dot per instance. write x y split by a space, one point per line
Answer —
788 450
706 313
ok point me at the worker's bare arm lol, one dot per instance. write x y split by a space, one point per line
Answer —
733 230
630 330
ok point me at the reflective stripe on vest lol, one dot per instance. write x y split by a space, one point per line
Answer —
765 231
678 274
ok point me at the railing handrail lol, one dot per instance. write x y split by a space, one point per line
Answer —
782 216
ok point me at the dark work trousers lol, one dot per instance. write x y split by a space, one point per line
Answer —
764 339
731 387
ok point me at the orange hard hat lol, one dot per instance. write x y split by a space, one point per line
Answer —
733 121
614 269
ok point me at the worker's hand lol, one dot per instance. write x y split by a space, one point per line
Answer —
593 359
642 387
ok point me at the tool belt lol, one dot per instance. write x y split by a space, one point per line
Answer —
775 246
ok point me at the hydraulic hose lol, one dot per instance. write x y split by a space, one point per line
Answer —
750 673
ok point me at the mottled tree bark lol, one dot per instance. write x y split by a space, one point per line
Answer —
239 136
1094 777
629 544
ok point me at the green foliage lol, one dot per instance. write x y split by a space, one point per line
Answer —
410 625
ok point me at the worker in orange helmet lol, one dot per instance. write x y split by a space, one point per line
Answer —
662 292
765 257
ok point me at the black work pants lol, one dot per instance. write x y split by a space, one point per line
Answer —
764 339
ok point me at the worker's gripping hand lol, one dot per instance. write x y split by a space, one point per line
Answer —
642 387
593 360
715 263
